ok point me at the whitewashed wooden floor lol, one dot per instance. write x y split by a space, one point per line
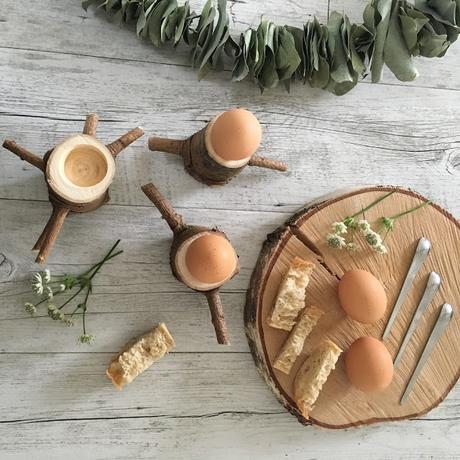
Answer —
204 401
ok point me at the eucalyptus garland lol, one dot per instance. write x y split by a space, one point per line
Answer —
332 56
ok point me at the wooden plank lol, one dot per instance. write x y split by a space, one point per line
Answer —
241 435
181 384
330 145
115 319
146 238
126 290
93 33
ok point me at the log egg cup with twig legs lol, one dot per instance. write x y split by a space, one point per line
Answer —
78 173
222 149
202 258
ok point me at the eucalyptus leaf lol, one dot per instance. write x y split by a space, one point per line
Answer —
333 56
396 54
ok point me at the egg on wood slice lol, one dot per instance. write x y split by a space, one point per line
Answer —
362 296
206 261
233 137
368 365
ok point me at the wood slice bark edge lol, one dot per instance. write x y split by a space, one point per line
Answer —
271 248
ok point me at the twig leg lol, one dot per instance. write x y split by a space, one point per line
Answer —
162 144
90 124
123 141
262 162
217 315
38 244
174 220
52 230
24 154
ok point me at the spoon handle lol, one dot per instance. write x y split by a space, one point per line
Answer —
421 253
432 286
445 315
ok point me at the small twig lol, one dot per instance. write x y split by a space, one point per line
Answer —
123 141
217 315
162 144
174 220
91 124
24 154
54 226
38 244
262 162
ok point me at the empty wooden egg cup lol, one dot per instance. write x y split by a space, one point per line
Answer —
183 235
78 173
203 163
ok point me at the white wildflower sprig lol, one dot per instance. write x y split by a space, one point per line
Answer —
349 225
339 228
336 241
49 288
86 338
343 229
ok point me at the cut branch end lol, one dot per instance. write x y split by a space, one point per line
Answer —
162 144
24 154
123 141
262 162
91 124
46 240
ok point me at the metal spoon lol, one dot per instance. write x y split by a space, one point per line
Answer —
432 286
445 315
421 253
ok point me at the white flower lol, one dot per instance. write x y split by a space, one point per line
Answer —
37 285
339 228
352 247
364 226
86 338
30 308
373 238
336 241
47 276
381 249
49 292
62 287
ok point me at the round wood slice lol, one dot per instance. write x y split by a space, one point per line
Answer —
339 404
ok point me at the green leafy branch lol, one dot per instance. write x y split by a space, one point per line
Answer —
332 56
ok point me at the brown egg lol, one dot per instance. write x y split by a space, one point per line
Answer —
368 365
362 296
211 258
235 135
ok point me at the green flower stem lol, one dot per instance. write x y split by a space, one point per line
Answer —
41 301
84 308
107 257
75 311
70 299
99 265
378 200
397 216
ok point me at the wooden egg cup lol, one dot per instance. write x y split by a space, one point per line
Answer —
202 165
181 233
67 195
